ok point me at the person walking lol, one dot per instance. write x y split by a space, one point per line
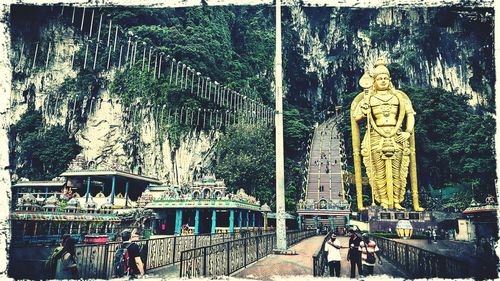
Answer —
369 250
354 255
429 235
332 247
434 235
134 262
66 267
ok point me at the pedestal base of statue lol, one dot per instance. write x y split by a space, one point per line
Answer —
385 220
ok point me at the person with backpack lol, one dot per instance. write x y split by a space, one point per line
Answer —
127 260
369 250
66 267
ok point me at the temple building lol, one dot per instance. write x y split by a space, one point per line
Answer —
204 207
479 221
98 203
88 202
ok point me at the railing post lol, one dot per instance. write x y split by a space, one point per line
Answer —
106 255
181 261
257 238
267 244
146 260
174 248
228 255
204 261
245 251
314 266
407 258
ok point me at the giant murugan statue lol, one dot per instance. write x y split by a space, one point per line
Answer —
388 147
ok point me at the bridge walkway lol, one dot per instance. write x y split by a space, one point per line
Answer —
274 267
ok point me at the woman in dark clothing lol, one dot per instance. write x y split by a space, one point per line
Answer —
66 263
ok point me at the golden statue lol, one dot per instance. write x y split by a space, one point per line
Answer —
387 149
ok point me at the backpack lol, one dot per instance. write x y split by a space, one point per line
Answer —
51 263
370 257
121 261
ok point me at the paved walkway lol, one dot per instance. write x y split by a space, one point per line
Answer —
275 267
165 272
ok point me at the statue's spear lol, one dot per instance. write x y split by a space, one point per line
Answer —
366 82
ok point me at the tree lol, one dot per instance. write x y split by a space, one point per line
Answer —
297 127
246 160
41 153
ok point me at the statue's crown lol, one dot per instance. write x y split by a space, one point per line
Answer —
380 68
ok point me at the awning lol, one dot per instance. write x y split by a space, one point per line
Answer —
481 209
58 184
324 212
33 216
287 216
202 204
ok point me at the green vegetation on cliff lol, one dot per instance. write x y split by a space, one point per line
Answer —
42 153
235 46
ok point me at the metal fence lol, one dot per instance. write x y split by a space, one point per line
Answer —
228 257
420 263
319 259
95 261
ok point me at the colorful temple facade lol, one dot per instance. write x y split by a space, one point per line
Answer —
86 203
90 203
205 207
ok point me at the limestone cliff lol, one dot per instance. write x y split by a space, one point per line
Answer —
326 51
98 121
449 48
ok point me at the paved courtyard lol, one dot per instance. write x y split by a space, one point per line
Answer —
300 266
275 267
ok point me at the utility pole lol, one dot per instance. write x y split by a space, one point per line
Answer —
280 162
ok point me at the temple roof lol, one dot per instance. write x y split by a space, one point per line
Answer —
110 173
39 184
202 204
83 217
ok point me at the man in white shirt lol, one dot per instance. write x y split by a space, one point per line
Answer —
332 247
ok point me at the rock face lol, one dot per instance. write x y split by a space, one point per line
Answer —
110 135
449 48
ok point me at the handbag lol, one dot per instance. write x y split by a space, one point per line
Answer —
370 257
